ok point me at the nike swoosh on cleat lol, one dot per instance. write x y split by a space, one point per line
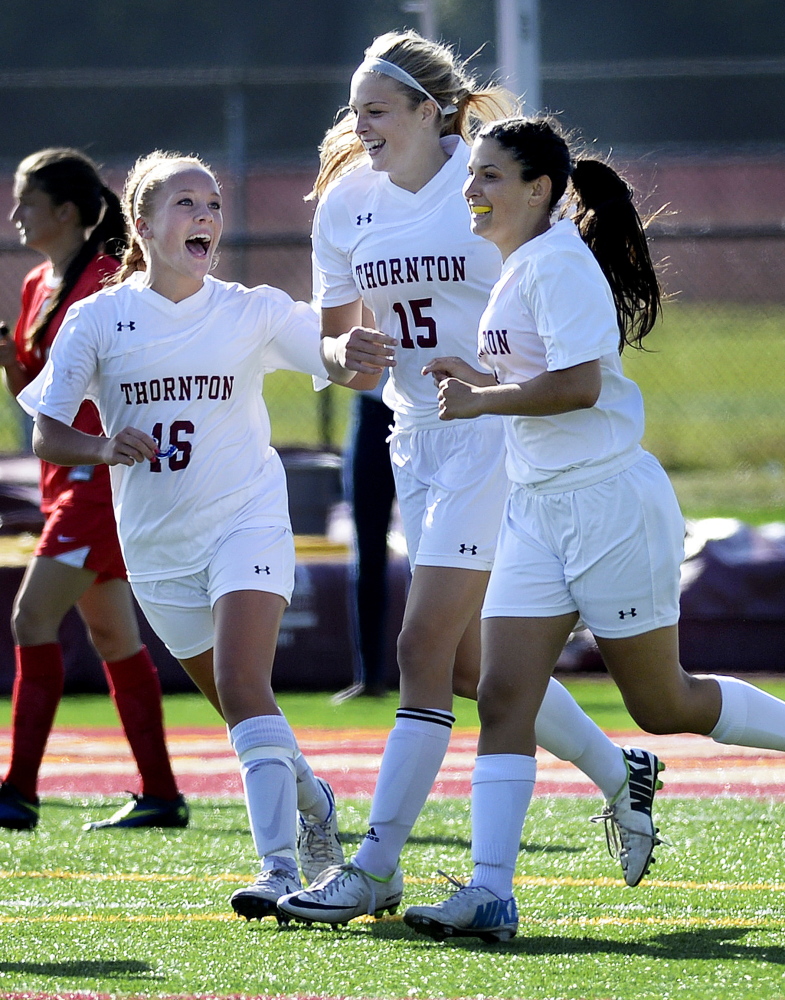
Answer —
309 905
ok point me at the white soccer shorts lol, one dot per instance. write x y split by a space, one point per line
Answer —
249 558
451 486
611 551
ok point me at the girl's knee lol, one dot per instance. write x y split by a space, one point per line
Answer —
31 627
417 652
658 713
496 699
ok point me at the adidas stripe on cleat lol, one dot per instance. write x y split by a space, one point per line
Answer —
342 893
630 832
473 911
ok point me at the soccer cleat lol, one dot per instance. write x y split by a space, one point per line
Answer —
630 832
16 811
260 899
318 844
145 811
473 911
342 893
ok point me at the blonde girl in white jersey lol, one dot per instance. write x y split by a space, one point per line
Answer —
392 233
175 361
591 525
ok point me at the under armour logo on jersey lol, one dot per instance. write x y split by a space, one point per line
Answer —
471 549
262 569
632 613
130 326
364 218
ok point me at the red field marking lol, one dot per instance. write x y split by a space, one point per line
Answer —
82 995
98 762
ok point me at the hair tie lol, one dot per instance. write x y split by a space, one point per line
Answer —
397 73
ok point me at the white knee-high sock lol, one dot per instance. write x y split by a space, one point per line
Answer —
565 730
412 757
265 747
502 786
311 797
749 717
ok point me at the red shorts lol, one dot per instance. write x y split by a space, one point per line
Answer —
84 535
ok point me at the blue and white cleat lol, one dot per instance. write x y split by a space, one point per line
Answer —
630 832
473 911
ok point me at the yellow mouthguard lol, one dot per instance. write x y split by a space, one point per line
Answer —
480 209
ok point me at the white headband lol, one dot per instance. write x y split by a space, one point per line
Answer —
395 71
137 198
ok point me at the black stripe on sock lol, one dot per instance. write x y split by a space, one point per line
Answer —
427 715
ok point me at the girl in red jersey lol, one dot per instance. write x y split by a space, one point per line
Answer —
65 212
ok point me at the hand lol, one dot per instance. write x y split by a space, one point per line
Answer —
365 350
458 400
7 347
442 368
129 446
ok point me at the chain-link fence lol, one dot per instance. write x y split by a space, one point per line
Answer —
714 375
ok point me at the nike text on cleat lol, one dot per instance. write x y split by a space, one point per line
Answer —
318 844
145 811
629 828
473 911
260 899
16 811
342 893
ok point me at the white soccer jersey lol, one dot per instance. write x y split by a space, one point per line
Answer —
412 258
190 374
552 309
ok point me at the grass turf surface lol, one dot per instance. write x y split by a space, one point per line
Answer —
144 913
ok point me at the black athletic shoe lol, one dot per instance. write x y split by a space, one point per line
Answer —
145 810
17 812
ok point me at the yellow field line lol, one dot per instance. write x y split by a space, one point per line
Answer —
745 923
524 880
656 884
124 876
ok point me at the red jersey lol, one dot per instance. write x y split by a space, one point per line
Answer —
88 482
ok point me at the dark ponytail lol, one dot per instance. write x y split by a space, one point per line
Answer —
614 232
68 175
600 203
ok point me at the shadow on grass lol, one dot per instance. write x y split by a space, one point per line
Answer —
719 944
453 841
79 969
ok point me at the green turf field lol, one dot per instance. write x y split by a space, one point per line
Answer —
144 913
596 694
